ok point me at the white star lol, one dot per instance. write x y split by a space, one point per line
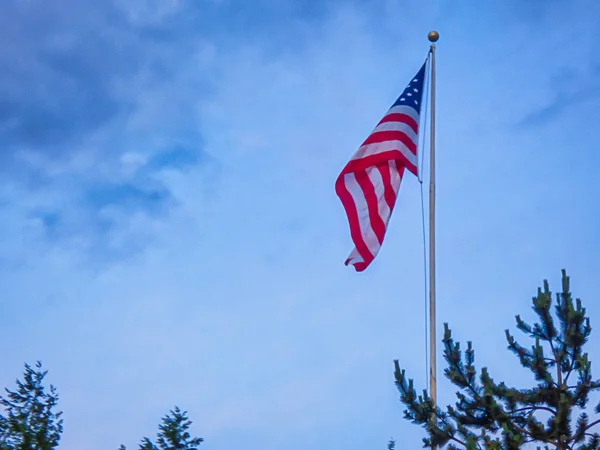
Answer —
402 99
415 80
416 90
416 102
409 94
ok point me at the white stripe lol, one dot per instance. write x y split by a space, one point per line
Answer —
380 147
403 109
382 206
397 126
362 210
384 210
395 177
355 257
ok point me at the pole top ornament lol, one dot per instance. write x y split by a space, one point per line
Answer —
433 36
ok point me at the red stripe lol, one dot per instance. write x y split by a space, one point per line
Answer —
379 159
399 117
388 190
355 232
384 136
406 164
401 168
368 190
359 266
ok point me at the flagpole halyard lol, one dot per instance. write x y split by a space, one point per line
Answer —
433 38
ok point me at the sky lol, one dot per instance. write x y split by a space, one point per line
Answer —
171 234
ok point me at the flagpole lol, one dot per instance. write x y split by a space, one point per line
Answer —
433 37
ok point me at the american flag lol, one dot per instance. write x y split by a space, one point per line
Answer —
369 184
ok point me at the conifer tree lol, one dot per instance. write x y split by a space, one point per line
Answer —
147 445
173 434
30 421
490 415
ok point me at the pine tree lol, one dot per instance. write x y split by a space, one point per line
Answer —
147 445
492 415
173 434
30 422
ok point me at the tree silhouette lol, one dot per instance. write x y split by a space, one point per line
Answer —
492 415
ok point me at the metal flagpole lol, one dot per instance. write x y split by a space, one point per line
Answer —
433 37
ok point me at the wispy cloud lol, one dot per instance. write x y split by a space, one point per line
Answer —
571 89
171 233
93 112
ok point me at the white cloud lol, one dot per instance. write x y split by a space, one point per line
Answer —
237 306
149 12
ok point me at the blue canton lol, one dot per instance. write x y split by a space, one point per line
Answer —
414 91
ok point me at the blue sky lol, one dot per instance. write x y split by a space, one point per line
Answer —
171 233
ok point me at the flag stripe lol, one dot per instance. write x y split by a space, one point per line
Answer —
387 136
356 260
378 179
377 154
368 235
371 197
368 185
390 186
401 118
396 173
351 208
394 125
405 110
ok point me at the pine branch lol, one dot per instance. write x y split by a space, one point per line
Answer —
489 415
592 425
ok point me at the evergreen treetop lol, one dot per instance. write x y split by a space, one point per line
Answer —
31 422
173 434
491 415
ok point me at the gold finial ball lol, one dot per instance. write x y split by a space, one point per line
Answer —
433 36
